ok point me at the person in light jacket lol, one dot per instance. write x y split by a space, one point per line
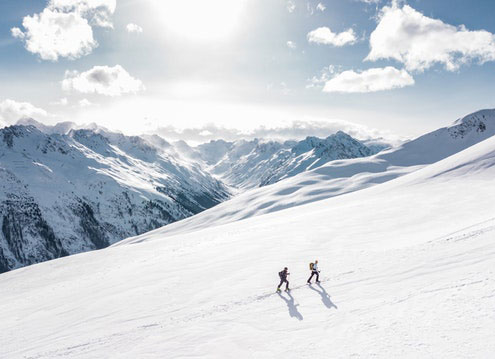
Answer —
316 272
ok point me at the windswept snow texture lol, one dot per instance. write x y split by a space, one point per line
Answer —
407 271
343 176
62 194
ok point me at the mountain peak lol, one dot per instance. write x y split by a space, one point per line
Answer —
61 128
17 131
340 134
477 122
332 143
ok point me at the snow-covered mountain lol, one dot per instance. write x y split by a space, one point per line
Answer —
62 194
247 164
406 270
342 176
66 190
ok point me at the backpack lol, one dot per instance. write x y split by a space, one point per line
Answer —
280 274
311 266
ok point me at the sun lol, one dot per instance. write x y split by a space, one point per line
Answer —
202 20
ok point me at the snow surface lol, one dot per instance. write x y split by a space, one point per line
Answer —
407 271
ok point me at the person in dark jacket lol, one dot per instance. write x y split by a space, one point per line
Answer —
316 272
283 279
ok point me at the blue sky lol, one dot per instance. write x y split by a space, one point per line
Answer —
227 68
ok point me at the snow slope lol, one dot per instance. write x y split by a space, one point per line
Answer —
343 176
407 269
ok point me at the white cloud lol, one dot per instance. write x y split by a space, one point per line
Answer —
310 8
289 130
291 45
98 12
62 102
419 42
17 33
53 34
323 35
291 6
12 111
133 28
372 80
103 80
85 103
64 28
325 75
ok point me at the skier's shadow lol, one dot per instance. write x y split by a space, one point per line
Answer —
293 312
325 297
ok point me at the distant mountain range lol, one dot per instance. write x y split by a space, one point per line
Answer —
257 163
66 190
339 177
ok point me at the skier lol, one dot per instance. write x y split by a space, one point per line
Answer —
314 270
283 278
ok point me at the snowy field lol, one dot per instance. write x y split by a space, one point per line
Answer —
407 271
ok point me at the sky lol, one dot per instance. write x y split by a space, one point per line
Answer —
203 69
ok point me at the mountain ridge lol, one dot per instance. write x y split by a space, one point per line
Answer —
69 189
257 163
63 194
339 177
150 182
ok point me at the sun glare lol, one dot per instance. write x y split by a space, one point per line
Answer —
202 20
